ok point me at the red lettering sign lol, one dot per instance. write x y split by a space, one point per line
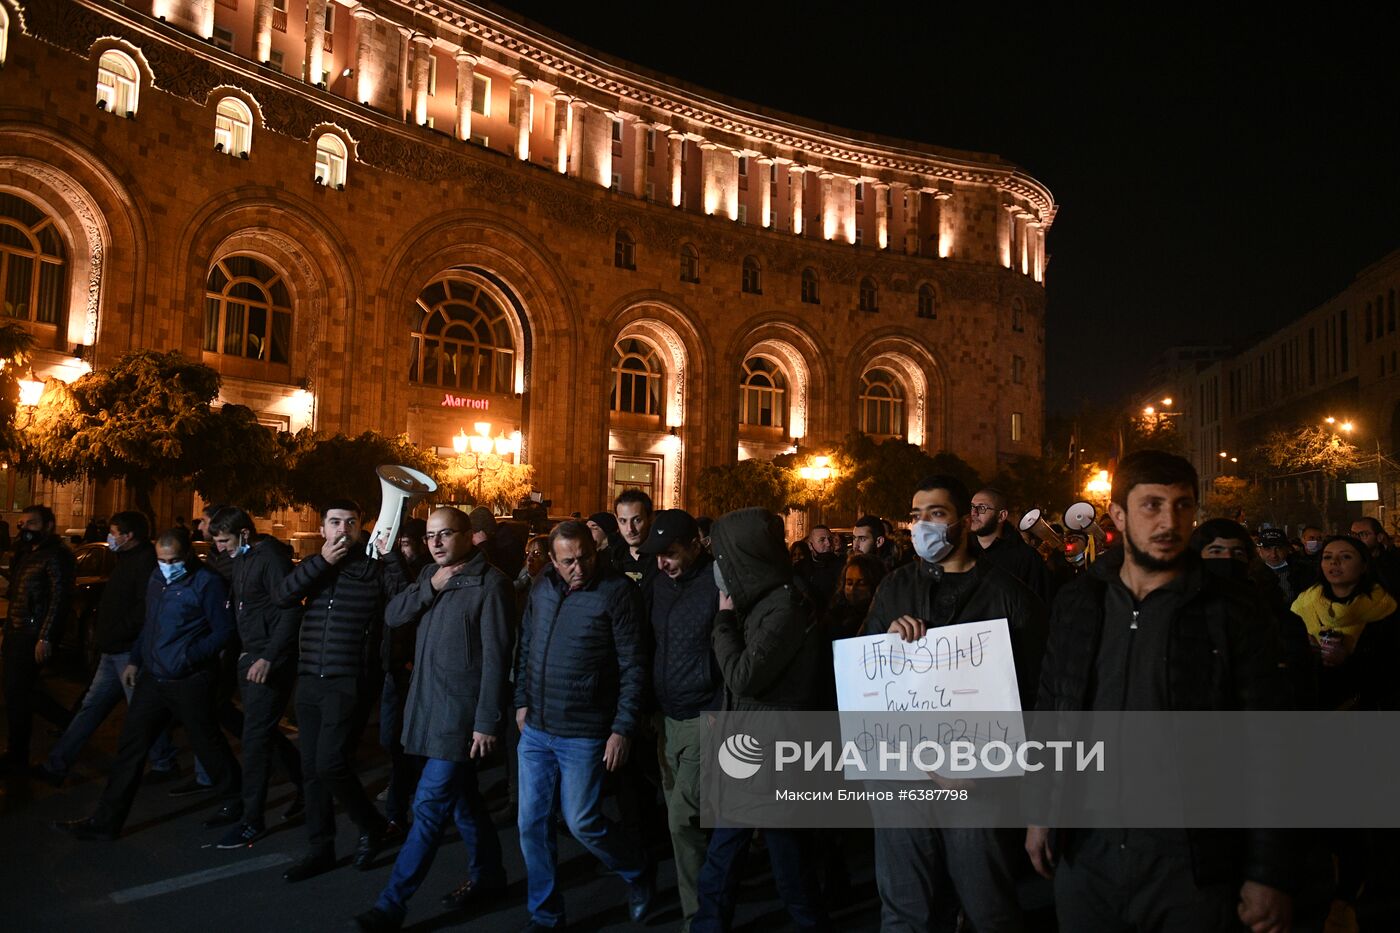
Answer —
461 401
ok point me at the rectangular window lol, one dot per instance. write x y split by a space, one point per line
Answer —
482 141
772 173
432 75
743 213
651 191
860 191
651 141
613 185
432 123
634 474
1016 427
617 131
275 59
330 18
223 39
481 95
1018 370
743 166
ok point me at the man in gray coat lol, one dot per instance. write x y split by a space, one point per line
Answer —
463 607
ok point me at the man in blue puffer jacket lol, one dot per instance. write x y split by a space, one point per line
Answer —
172 670
578 698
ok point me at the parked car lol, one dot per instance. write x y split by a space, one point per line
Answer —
95 562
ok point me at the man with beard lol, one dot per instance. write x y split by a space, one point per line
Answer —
1003 546
1130 634
633 510
923 873
869 538
820 570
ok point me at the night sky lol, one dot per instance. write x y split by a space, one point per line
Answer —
1216 176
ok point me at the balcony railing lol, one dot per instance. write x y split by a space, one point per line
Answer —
279 20
328 42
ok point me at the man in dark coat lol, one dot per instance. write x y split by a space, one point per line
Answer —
1002 544
1126 636
770 647
172 672
397 650
463 608
343 592
686 680
266 667
121 612
820 570
578 698
923 871
40 598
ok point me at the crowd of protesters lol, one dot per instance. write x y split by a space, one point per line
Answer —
588 657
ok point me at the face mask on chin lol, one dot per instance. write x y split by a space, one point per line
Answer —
112 543
931 540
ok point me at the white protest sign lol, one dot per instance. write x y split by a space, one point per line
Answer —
955 672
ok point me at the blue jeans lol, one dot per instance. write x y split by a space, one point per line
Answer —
447 790
103 695
573 767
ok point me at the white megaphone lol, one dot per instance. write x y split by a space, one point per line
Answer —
398 486
1033 522
1080 517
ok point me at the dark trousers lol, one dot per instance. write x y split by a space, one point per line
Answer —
404 768
1132 881
924 874
795 872
330 717
154 704
263 705
25 696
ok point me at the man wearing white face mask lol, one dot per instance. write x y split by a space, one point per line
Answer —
924 874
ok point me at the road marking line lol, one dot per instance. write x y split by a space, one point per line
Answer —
194 879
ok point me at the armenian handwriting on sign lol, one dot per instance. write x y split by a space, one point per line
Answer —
955 672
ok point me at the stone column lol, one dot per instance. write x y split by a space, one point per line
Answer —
947 222
677 141
639 155
595 145
826 210
405 53
195 15
796 179
524 116
882 215
1040 252
709 185
466 87
847 210
912 238
422 58
1006 233
562 112
729 183
315 40
364 54
262 30
765 198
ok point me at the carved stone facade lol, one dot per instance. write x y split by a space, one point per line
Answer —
561 188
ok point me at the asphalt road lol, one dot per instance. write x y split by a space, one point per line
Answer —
165 874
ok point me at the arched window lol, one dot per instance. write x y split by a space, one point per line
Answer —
247 311
928 302
331 158
4 34
1018 310
624 250
881 404
32 262
636 379
690 264
752 277
461 339
811 291
869 295
233 127
762 393
118 82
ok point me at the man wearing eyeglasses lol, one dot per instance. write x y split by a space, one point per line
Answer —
343 593
455 715
1003 545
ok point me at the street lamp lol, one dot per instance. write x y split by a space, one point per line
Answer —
818 472
488 455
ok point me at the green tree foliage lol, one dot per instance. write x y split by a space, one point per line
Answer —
500 486
879 479
246 464
146 419
324 467
1308 449
15 344
746 483
1238 499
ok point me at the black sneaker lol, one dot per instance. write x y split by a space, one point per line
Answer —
309 867
375 920
370 845
241 836
190 788
85 830
227 815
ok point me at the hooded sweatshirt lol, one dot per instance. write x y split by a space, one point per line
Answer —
770 645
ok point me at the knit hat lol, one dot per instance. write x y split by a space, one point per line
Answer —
605 521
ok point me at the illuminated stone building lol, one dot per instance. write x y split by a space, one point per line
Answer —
415 216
